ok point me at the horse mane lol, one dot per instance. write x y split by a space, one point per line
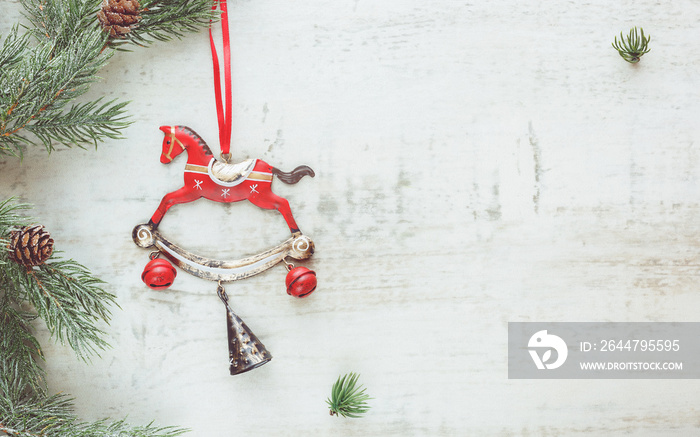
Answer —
195 136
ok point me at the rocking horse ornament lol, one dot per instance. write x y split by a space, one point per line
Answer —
222 181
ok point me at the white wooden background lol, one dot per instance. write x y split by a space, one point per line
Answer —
477 163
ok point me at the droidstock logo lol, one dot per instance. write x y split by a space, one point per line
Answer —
546 342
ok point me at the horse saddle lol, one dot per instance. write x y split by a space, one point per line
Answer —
232 172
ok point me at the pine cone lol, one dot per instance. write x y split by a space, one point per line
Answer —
118 17
30 246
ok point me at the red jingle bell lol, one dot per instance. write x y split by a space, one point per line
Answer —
300 281
159 274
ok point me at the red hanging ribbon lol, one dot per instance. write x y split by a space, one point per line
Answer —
223 114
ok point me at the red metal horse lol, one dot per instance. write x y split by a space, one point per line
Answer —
207 177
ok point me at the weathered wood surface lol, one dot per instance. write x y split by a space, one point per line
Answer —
477 163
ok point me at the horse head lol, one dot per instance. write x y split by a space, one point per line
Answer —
172 145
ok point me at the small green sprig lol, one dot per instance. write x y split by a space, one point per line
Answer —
348 399
633 47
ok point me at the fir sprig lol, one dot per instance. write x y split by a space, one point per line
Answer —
348 399
633 47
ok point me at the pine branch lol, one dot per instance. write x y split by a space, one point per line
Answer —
71 302
20 351
39 80
69 299
164 20
12 50
35 414
53 417
10 218
63 293
81 124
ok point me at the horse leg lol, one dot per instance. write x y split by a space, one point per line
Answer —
266 199
183 195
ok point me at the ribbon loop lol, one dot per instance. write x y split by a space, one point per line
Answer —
223 113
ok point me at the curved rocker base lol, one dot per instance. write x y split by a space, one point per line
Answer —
298 247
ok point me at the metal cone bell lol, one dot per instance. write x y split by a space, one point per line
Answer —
245 351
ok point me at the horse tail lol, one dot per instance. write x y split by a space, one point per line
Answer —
293 176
